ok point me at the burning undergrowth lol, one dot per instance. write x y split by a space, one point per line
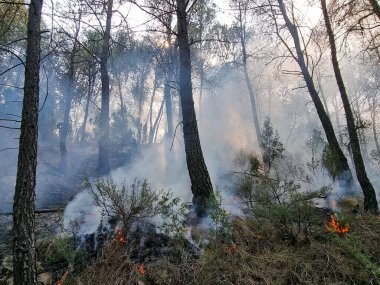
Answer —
257 256
293 243
282 238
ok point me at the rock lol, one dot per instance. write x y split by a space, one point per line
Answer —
8 263
45 279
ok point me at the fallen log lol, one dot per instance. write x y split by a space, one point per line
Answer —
40 211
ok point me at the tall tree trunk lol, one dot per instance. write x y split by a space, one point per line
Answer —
361 131
341 163
168 83
24 239
320 87
150 115
65 128
154 128
373 123
370 202
201 186
103 162
69 94
91 83
251 93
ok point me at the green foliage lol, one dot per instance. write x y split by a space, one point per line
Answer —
316 145
13 20
132 203
172 210
353 247
120 135
329 162
271 145
220 217
62 250
281 200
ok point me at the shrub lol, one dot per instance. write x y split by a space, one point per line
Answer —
127 203
220 218
282 200
173 211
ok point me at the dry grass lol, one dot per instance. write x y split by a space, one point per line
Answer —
261 257
113 267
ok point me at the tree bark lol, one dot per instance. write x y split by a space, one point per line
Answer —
370 202
103 162
341 163
24 240
201 186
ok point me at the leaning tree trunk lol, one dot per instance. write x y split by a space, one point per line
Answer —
341 164
103 162
370 202
24 239
201 186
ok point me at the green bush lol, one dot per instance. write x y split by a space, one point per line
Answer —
281 200
172 211
132 203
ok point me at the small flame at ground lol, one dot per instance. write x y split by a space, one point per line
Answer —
336 227
120 236
141 269
64 277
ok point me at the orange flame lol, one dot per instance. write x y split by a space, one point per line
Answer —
232 248
120 236
141 269
336 227
64 277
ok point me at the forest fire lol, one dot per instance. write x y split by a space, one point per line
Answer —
333 225
120 236
141 269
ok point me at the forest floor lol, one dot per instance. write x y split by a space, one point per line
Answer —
257 253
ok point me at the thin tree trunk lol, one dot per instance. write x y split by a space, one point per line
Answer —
370 202
24 238
168 81
69 94
251 93
103 163
361 131
373 119
322 94
91 82
153 131
201 186
341 164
